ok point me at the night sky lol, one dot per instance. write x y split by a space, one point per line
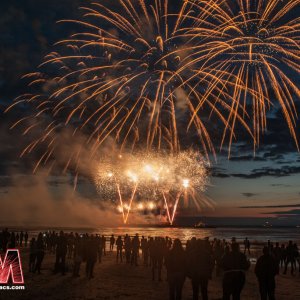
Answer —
251 184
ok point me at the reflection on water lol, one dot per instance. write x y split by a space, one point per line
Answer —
254 234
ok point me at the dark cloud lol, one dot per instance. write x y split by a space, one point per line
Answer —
219 172
268 171
292 212
272 206
247 158
249 195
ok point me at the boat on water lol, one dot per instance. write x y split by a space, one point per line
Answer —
203 225
267 225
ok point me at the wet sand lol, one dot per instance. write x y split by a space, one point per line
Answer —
122 281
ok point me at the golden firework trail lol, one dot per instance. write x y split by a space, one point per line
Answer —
130 74
258 42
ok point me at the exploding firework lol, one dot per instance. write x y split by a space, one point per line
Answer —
256 41
159 181
126 75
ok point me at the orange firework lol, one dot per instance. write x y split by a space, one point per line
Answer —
128 75
258 42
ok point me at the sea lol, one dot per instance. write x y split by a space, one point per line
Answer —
258 235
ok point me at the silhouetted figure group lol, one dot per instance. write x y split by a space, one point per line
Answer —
12 239
198 261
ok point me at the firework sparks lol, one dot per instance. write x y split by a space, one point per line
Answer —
258 43
154 177
128 75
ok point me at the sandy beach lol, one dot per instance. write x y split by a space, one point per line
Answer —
122 281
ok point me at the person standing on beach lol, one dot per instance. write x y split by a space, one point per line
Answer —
157 253
176 268
135 245
91 256
26 238
61 252
246 246
127 246
200 267
40 253
145 250
32 255
78 254
277 254
266 269
119 244
103 243
21 238
12 243
290 257
100 248
234 265
112 243
5 239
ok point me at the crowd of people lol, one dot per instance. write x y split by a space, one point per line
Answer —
198 260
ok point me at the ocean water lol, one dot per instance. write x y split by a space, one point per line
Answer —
259 235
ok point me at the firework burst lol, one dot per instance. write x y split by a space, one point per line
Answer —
159 181
258 42
126 75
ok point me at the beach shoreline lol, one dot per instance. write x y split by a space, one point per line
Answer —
122 281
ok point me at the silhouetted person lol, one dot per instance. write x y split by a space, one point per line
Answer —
234 265
277 255
32 254
297 256
61 252
246 245
290 257
100 248
78 254
17 239
103 243
40 252
282 255
26 238
70 240
91 258
119 244
5 239
127 247
266 269
176 270
21 238
200 267
112 243
135 246
145 250
218 252
157 252
12 242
